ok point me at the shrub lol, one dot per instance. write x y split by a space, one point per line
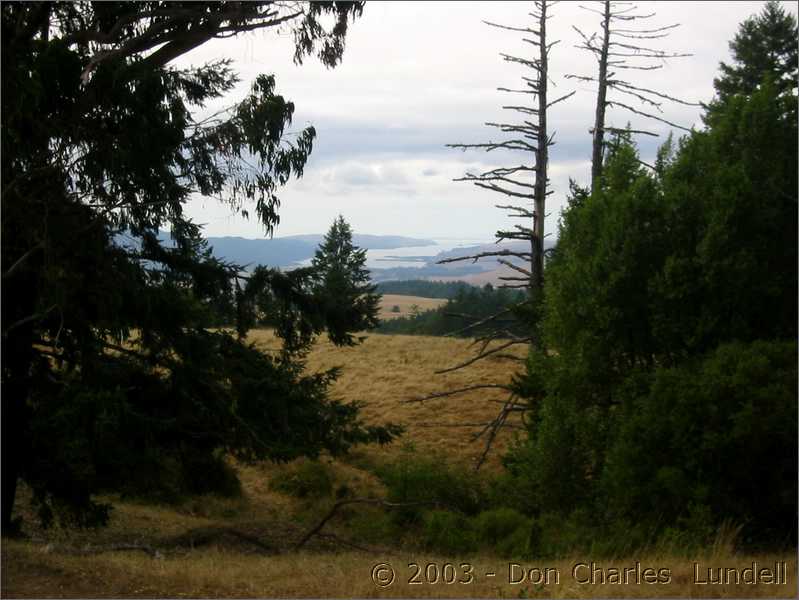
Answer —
413 478
448 532
308 479
209 474
701 437
506 530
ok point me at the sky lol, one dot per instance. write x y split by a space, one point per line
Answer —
417 76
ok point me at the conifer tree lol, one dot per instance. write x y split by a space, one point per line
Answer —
113 378
764 44
343 285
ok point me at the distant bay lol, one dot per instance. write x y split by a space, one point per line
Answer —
388 257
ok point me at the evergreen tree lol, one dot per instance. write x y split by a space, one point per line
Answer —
765 44
343 286
111 377
671 304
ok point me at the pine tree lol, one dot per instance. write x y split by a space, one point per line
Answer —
764 44
343 286
113 377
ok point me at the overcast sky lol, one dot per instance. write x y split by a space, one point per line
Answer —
418 76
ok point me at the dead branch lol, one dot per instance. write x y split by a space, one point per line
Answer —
485 354
476 257
493 430
648 115
374 501
122 547
469 388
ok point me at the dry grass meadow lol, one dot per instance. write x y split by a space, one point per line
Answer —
213 547
394 305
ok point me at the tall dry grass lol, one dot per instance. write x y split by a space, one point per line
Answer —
388 372
384 373
395 305
215 573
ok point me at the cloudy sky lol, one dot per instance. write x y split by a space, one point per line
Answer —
418 76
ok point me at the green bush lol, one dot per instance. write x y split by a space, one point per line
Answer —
431 481
448 532
676 452
719 435
309 479
506 530
374 525
497 524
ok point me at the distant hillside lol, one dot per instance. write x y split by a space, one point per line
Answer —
365 240
422 287
284 251
485 270
290 250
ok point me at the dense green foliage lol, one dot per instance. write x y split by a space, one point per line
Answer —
669 406
334 294
764 43
423 288
342 287
462 314
111 378
308 479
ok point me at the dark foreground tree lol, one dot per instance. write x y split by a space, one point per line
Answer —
671 302
110 377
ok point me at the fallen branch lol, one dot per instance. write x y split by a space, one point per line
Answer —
153 552
375 501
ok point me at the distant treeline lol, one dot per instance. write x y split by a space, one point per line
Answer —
470 304
424 288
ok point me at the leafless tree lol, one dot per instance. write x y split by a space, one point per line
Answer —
530 135
527 187
620 45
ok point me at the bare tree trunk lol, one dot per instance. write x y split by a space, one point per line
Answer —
617 48
533 140
601 101
541 161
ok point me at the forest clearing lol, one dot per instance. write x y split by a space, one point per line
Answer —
393 306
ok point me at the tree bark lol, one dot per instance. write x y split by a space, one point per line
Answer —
541 161
601 102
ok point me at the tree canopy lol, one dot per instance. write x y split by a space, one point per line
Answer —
111 378
764 43
670 301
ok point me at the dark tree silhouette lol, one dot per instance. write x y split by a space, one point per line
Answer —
764 43
109 371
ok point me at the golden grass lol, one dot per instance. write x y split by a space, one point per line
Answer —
387 372
405 305
383 373
34 572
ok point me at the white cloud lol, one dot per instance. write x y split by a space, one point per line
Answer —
417 76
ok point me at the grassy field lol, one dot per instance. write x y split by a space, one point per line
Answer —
242 547
395 305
